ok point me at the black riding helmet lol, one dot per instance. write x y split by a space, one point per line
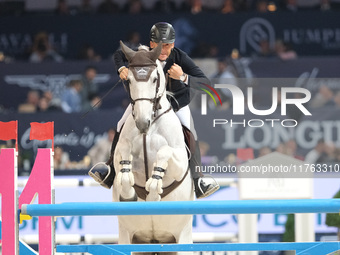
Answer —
162 31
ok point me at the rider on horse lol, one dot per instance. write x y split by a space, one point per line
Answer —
181 74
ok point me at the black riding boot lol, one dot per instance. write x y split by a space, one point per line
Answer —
105 179
204 186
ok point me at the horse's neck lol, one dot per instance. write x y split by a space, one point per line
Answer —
164 102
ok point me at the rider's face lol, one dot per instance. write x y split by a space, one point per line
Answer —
166 49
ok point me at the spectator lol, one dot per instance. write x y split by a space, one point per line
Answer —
100 151
71 99
291 149
336 99
43 104
284 51
42 50
108 7
46 103
323 98
61 159
132 40
262 6
228 75
315 155
205 158
337 155
87 52
205 50
325 5
330 154
221 67
165 6
95 101
264 151
212 5
31 104
281 148
62 8
308 4
86 7
53 102
242 5
291 5
89 87
266 49
196 6
134 7
228 7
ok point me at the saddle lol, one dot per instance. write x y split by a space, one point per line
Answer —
189 140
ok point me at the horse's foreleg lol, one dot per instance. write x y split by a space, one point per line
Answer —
155 183
125 178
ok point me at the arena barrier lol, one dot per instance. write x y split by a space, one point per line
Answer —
41 182
184 207
194 207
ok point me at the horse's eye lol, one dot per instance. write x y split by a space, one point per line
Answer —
154 80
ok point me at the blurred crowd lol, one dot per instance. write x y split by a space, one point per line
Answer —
77 96
325 154
72 7
98 153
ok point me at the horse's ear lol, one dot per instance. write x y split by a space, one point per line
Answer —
154 54
127 51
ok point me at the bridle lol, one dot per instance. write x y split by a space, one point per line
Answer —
143 74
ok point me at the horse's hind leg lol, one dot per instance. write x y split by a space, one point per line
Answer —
144 253
185 237
166 253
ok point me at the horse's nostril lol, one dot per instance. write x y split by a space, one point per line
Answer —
143 126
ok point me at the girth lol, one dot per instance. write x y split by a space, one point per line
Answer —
142 193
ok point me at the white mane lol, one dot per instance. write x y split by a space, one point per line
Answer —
143 47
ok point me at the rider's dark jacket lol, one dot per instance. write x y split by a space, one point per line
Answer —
181 91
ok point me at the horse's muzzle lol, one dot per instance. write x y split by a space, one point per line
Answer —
143 126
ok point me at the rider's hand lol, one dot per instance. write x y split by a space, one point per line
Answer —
175 72
123 73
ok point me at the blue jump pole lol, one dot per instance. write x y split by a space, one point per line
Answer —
185 207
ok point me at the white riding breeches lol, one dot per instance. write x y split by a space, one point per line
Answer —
183 114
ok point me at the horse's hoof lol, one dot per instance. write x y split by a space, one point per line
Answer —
133 199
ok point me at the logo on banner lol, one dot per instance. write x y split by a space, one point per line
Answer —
204 97
55 83
253 32
240 102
